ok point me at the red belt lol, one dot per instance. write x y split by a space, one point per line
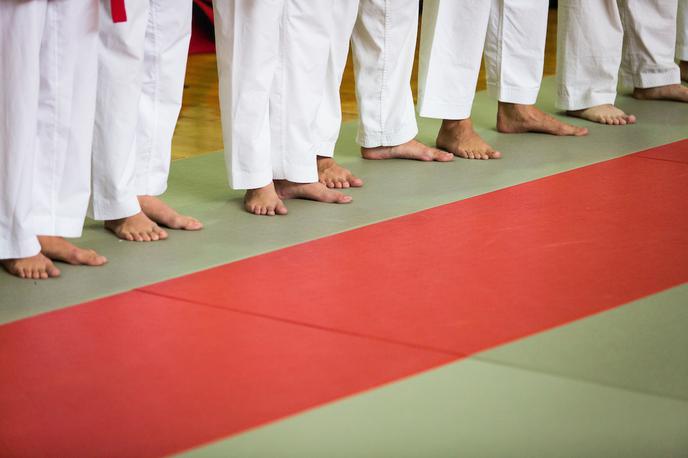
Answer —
119 13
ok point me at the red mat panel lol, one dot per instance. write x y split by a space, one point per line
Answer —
672 152
479 272
140 375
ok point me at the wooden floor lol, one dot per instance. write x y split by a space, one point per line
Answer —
199 131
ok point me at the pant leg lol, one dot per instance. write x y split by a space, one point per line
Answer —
515 49
166 49
384 44
298 89
69 66
21 30
120 79
330 113
589 47
247 38
451 48
682 31
649 43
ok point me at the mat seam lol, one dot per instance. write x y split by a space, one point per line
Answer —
452 353
640 156
485 360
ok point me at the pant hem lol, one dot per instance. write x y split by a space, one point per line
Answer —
250 180
440 110
103 210
662 78
58 227
585 100
373 140
326 149
153 191
522 96
12 248
300 173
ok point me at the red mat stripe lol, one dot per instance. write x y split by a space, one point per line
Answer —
142 374
306 324
483 271
677 152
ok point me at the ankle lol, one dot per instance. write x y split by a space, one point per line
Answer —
514 109
452 125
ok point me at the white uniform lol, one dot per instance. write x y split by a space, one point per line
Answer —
384 40
682 31
48 56
142 66
512 34
272 61
597 38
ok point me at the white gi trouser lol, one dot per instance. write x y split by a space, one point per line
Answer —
272 60
383 35
48 56
597 38
142 66
454 34
682 31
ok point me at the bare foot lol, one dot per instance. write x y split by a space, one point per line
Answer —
413 150
59 249
136 228
684 70
334 175
459 138
310 191
604 114
36 267
264 201
674 92
163 214
513 118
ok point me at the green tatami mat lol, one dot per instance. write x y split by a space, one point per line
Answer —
475 409
642 346
198 187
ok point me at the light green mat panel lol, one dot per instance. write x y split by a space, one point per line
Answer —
475 409
198 186
613 384
642 346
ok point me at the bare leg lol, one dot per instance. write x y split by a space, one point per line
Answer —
413 150
334 175
264 201
459 138
684 70
310 191
604 114
513 118
675 92
37 267
161 213
59 249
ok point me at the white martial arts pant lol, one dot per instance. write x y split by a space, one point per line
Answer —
272 60
597 38
48 57
682 31
383 35
142 65
453 36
